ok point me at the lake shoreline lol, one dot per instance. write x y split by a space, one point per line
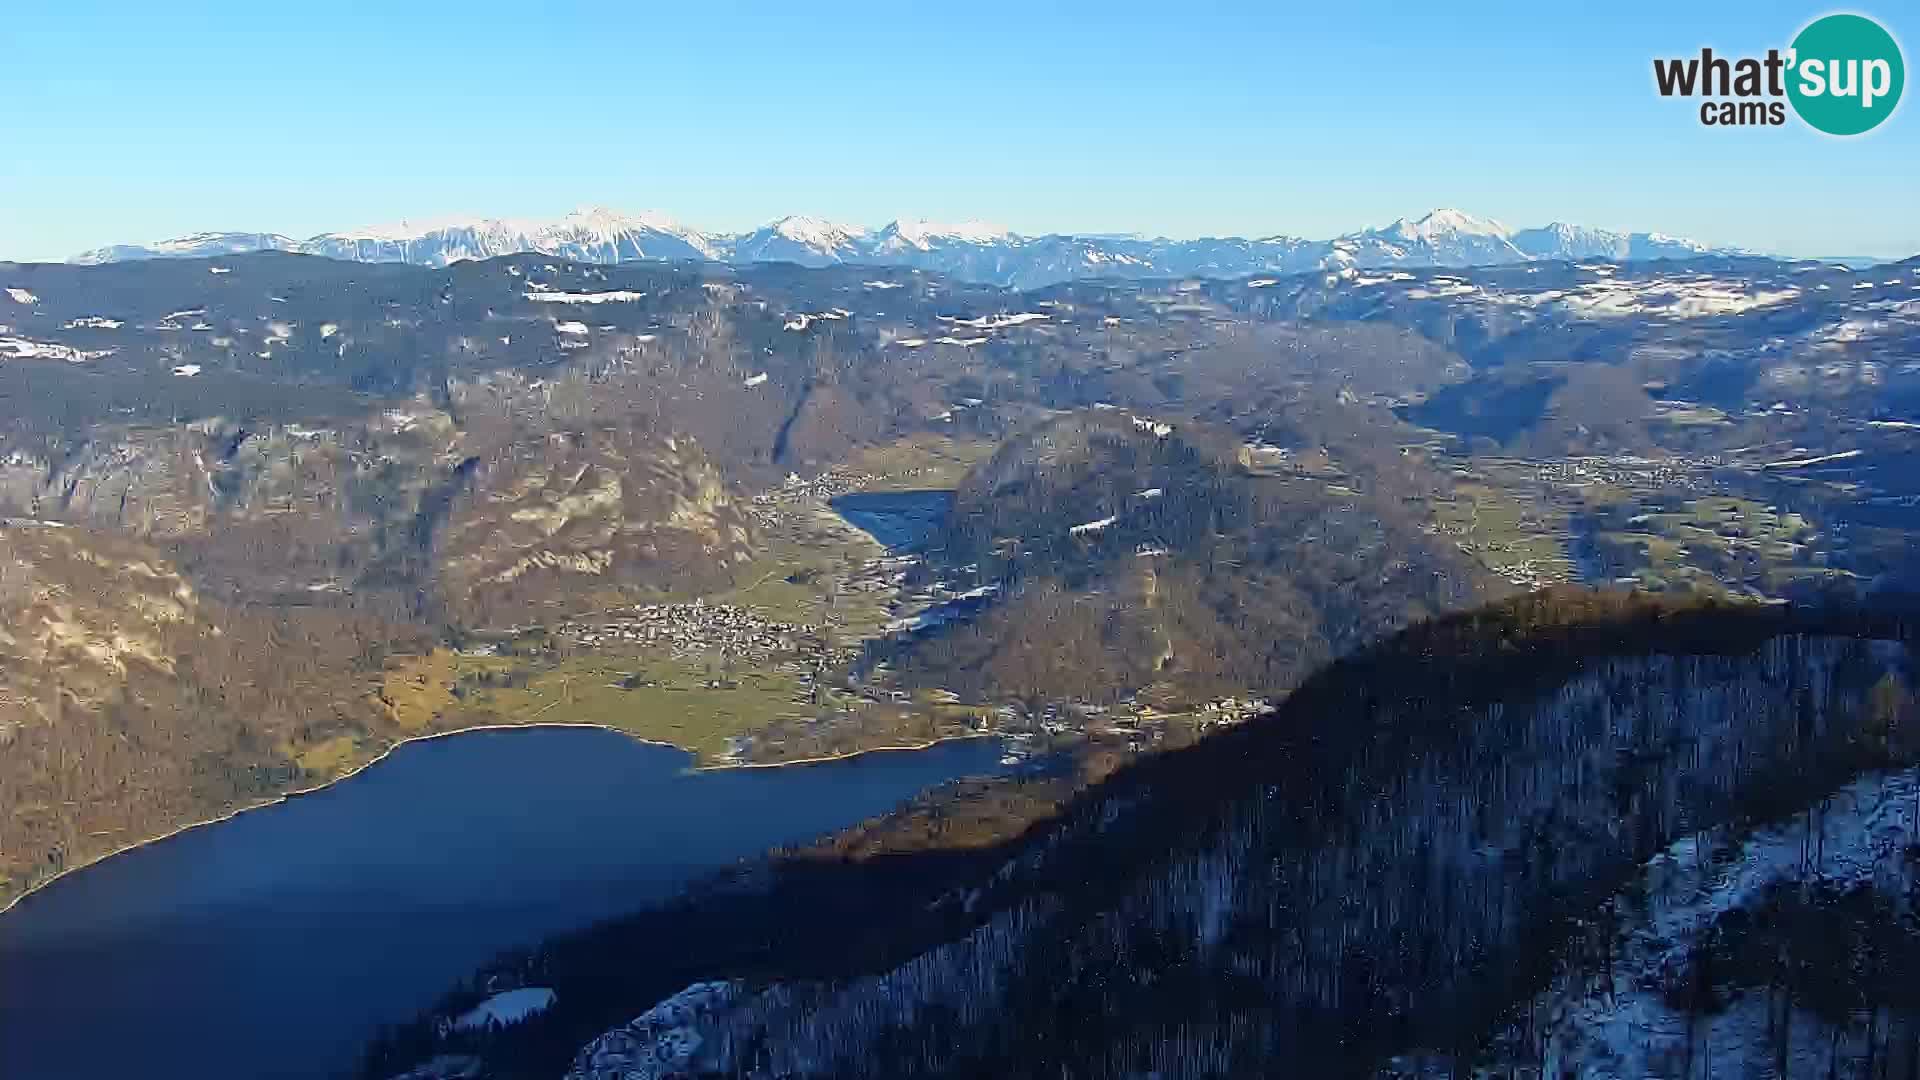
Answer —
286 796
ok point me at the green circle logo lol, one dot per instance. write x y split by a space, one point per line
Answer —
1845 74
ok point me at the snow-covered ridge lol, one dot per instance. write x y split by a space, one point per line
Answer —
1665 295
969 250
923 234
589 234
814 231
590 221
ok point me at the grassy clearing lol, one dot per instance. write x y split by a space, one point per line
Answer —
1714 542
1501 530
693 703
419 688
329 757
867 725
802 577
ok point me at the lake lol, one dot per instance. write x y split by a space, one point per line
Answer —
901 520
273 944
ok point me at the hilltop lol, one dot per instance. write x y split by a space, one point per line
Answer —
1132 555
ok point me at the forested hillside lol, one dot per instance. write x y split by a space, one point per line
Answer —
1136 555
1384 870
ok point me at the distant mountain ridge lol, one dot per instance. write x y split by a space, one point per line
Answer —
970 250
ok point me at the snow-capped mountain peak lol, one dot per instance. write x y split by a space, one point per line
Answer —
1560 240
796 238
1674 241
816 232
602 221
601 225
924 234
409 229
1443 237
1448 222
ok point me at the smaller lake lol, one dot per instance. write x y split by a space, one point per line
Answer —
902 520
274 944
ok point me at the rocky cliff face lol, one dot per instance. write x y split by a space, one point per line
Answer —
1375 871
251 509
558 522
501 516
79 613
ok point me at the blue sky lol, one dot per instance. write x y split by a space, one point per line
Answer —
138 121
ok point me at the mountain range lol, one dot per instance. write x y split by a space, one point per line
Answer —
972 251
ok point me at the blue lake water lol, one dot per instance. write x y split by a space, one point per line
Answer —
901 520
275 943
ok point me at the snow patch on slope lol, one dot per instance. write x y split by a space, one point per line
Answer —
613 296
503 1009
13 348
996 322
1619 1027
